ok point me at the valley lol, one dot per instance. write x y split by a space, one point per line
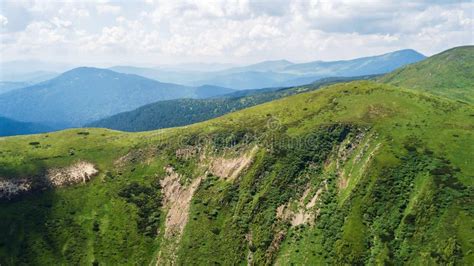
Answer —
348 172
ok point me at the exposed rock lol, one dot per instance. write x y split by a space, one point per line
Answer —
230 168
76 173
187 152
11 188
304 213
177 199
275 245
79 172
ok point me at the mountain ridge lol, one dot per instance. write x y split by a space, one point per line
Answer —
85 94
283 73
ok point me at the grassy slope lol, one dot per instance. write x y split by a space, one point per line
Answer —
400 193
448 73
181 112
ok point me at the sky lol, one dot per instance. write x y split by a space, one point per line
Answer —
156 32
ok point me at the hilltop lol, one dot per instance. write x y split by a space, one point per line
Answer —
449 74
181 112
86 94
353 173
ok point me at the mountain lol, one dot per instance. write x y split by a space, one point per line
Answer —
245 80
357 67
181 112
30 71
9 127
28 77
172 75
265 66
355 173
86 94
280 73
6 86
436 73
206 91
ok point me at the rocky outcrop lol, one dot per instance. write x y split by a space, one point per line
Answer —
177 200
12 188
231 168
303 213
79 172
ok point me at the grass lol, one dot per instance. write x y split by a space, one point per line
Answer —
417 186
436 73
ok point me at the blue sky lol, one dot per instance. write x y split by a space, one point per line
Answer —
167 32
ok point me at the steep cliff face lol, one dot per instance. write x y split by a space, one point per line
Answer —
356 173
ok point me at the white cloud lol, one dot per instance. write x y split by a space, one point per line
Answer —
108 9
233 30
3 21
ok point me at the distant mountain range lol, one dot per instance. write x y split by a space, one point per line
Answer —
280 72
432 74
355 173
9 127
6 86
84 95
181 112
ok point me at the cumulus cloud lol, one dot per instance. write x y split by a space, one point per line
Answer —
3 21
108 9
235 30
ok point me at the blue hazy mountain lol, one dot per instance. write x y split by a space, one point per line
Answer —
86 94
181 112
10 127
279 73
356 67
6 86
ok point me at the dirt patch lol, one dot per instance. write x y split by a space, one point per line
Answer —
230 168
187 152
177 198
79 172
345 152
275 245
375 111
342 182
304 213
76 173
11 188
136 156
249 239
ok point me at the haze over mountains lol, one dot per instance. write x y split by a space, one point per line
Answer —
181 112
281 72
83 95
9 127
365 172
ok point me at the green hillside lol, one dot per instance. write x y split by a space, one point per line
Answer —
449 74
354 173
181 112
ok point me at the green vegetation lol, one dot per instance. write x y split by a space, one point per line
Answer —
181 112
448 74
353 173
